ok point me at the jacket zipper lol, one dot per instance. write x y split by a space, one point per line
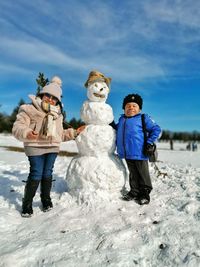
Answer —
124 138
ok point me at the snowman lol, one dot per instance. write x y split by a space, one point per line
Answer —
96 173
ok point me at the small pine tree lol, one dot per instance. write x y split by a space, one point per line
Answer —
41 81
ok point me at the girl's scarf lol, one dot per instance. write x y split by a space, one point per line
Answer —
49 123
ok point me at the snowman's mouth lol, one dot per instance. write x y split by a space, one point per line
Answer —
98 95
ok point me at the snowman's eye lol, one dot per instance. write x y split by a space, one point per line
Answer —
95 85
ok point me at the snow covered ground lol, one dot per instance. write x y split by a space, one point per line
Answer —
115 233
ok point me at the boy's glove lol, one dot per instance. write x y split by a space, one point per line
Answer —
149 149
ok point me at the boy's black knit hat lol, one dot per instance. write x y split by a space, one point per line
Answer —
133 98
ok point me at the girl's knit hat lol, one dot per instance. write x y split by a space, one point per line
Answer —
133 98
53 88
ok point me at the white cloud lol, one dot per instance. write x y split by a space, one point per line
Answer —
78 36
134 68
12 68
38 52
186 13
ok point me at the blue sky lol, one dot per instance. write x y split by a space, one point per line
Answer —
147 47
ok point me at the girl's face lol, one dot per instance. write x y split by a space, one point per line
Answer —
52 100
131 109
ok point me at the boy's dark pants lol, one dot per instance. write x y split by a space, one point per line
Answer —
139 177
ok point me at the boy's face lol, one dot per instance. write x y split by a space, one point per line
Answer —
131 109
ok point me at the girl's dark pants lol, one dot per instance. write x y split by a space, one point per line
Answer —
139 177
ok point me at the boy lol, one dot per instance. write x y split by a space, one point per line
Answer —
130 145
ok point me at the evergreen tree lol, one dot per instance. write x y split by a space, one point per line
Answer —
76 123
3 126
73 123
41 81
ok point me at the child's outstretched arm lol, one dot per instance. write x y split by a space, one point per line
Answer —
71 133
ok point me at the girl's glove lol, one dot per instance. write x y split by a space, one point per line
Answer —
32 135
80 129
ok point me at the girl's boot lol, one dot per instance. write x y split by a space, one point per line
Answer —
45 187
29 193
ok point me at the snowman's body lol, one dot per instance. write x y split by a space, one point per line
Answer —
96 171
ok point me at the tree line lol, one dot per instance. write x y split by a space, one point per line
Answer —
6 121
180 136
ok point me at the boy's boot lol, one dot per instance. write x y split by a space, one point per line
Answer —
131 195
145 197
46 185
29 193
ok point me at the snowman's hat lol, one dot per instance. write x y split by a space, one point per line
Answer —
96 76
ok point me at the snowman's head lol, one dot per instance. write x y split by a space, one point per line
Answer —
97 91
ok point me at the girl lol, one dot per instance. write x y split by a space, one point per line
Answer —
39 126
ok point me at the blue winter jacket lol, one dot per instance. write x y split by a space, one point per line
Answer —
130 136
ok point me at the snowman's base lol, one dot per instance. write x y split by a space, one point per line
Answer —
95 178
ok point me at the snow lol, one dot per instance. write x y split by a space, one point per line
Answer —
109 233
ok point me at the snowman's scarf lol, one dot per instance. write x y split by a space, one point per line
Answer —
49 123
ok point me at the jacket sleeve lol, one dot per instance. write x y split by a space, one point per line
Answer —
69 134
153 129
21 125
